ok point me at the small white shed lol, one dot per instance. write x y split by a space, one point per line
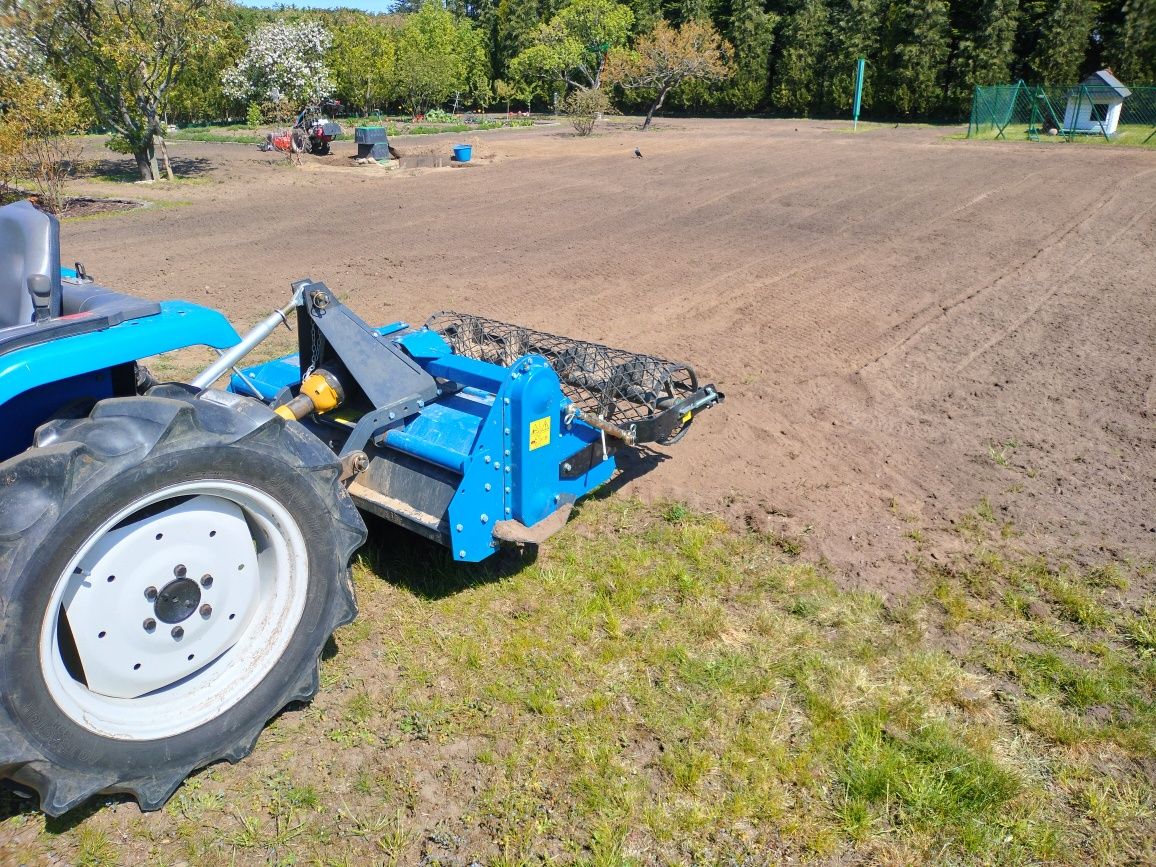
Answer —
1095 106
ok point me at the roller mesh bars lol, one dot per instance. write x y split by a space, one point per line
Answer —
618 386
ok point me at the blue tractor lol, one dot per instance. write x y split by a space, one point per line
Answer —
174 556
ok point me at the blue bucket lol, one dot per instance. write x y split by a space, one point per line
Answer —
462 153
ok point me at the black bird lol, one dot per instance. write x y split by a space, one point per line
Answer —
638 153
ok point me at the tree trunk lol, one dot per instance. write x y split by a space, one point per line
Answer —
657 105
165 157
597 82
152 129
145 163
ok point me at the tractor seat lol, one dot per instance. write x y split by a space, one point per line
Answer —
29 244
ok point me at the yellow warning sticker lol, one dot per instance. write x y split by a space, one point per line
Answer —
540 433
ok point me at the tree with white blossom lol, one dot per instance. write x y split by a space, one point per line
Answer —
36 122
284 63
20 57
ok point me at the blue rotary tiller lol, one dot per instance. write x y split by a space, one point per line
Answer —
174 556
469 431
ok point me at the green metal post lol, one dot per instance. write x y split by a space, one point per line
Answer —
1100 120
1011 109
1076 114
860 68
1056 117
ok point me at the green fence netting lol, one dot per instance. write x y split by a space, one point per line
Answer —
1063 113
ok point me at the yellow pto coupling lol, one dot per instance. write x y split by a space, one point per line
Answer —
320 392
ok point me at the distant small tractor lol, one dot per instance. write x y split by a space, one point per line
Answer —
312 132
173 557
316 129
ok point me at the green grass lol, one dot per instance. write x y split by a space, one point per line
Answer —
399 129
236 135
656 688
848 126
1127 135
240 134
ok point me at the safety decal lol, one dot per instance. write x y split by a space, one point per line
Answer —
540 433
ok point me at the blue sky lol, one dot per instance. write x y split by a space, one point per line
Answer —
365 5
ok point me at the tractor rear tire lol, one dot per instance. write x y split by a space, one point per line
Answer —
123 665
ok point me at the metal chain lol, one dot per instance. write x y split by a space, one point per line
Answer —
318 341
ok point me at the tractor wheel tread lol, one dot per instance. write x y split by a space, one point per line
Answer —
73 457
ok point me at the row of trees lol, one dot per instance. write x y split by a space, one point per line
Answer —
793 56
924 57
132 66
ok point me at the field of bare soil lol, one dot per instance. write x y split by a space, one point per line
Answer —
904 326
937 360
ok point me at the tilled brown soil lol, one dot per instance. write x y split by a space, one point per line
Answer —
903 326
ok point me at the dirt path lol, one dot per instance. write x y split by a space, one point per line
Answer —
903 326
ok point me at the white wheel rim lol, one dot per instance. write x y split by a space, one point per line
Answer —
157 656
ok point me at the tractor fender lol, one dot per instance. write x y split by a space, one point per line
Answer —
178 325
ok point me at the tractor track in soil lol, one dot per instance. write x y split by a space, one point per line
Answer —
882 310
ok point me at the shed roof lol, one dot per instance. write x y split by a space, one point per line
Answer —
1104 83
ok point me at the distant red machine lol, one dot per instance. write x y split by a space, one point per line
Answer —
318 129
312 131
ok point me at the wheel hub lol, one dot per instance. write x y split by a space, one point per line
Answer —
177 601
114 606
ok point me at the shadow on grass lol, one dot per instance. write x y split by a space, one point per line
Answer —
15 800
427 569
124 168
18 800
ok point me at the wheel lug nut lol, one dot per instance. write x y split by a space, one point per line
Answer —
178 632
151 594
180 570
206 610
206 581
150 625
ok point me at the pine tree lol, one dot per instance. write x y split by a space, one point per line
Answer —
854 33
916 49
647 13
990 62
752 32
985 51
695 10
1064 32
1138 45
802 58
517 21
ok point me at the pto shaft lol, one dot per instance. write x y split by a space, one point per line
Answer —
320 392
